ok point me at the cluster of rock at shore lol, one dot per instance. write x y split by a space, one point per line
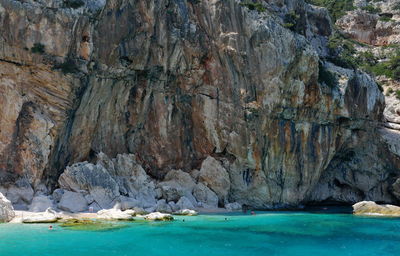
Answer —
7 214
123 185
370 208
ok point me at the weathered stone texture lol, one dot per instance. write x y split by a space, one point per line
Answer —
177 84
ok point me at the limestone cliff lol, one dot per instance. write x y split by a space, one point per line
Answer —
249 84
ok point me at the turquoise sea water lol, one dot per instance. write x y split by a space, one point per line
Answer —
265 234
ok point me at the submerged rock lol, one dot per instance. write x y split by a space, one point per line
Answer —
158 216
371 208
90 225
6 209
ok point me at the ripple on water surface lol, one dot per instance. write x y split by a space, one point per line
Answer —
209 235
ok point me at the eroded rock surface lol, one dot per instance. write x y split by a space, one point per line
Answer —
164 90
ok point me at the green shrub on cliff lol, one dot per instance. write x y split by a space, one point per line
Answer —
371 9
337 8
389 68
291 20
37 48
253 6
342 51
326 77
69 66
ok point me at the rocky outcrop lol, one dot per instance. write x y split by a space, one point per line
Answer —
214 175
40 204
72 202
80 185
115 214
371 208
376 25
94 179
6 209
158 216
48 216
243 96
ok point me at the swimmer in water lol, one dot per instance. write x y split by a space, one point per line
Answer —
50 227
253 213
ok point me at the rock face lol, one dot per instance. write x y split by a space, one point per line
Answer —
73 202
40 204
207 85
214 175
376 28
371 208
6 209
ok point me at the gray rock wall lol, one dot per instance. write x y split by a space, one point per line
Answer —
175 83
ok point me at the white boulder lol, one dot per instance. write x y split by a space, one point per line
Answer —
49 216
186 212
115 214
371 208
158 216
6 209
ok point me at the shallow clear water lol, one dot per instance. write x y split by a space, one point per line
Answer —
209 235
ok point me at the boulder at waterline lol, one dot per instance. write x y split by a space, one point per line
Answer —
186 212
49 216
205 196
158 216
115 214
94 179
233 206
215 176
6 209
372 208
